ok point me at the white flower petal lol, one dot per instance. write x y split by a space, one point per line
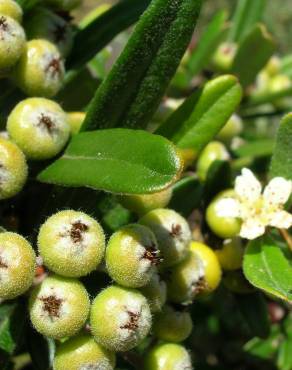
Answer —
251 229
228 207
278 191
281 220
247 187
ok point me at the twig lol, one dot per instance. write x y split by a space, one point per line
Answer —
284 233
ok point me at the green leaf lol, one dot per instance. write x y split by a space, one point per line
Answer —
202 116
93 38
281 164
12 324
41 350
116 160
257 148
131 93
247 14
28 4
267 267
284 360
187 195
286 65
210 39
218 179
253 54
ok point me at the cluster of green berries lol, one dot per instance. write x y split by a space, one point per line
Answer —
32 56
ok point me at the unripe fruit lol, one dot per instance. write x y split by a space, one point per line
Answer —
155 292
64 5
17 265
120 318
212 152
185 280
40 70
75 120
132 255
59 307
172 325
224 55
168 356
13 169
71 243
144 203
273 67
42 23
231 254
12 42
39 127
211 265
172 233
12 9
232 128
83 353
279 83
222 226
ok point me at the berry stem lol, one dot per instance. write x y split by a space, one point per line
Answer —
286 236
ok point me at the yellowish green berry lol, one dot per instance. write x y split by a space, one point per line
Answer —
155 292
171 325
144 203
224 56
59 307
39 127
12 42
231 254
120 318
40 70
12 9
132 255
13 169
222 226
232 129
17 265
212 152
75 120
172 232
71 243
83 353
168 356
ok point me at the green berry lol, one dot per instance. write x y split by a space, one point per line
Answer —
64 5
155 292
11 9
17 265
59 307
42 23
71 243
75 120
83 353
222 226
212 152
39 127
144 203
172 233
224 55
172 325
168 356
231 254
12 42
232 128
132 255
120 318
40 70
13 169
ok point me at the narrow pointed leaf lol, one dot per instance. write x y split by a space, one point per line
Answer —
267 267
116 160
281 164
133 89
253 54
203 115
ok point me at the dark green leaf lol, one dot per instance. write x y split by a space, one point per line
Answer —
281 164
93 38
257 148
187 195
28 4
284 360
259 44
131 93
218 179
41 350
116 160
203 115
267 267
247 14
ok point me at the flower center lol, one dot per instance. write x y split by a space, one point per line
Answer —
152 254
52 305
133 322
77 230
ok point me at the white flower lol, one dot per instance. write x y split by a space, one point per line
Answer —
259 209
